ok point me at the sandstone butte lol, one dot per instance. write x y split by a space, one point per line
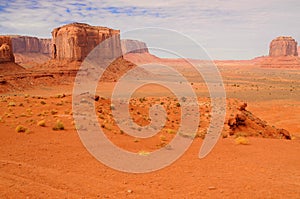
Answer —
283 46
27 44
133 46
73 42
283 53
6 53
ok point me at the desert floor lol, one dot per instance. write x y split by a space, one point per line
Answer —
44 163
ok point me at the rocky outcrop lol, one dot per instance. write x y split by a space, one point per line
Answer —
242 122
73 42
26 44
283 46
298 50
6 53
133 46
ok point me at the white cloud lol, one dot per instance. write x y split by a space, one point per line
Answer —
231 29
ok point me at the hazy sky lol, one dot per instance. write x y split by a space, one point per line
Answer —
227 29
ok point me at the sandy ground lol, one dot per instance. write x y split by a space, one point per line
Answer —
43 163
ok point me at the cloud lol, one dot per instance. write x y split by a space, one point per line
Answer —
231 29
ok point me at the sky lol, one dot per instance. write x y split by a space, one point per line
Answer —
226 29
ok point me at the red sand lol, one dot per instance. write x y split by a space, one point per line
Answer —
43 163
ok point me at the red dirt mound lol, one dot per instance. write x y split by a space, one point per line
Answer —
243 123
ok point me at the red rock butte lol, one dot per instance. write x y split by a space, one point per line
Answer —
27 44
283 46
133 46
6 53
73 42
283 53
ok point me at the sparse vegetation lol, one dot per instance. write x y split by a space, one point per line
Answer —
23 115
60 96
187 135
201 134
241 140
21 129
53 112
58 126
59 103
112 107
143 153
163 138
241 134
171 131
11 104
42 123
224 135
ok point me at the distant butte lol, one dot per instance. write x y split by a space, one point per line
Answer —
283 53
31 51
133 46
27 44
73 42
283 46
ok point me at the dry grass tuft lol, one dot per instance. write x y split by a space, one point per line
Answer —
241 140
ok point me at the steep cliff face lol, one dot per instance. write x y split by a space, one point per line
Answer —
73 42
298 50
283 46
133 46
45 46
26 44
6 53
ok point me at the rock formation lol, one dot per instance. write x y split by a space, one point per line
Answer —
73 42
26 44
283 53
298 50
6 53
30 51
45 46
242 122
283 46
133 46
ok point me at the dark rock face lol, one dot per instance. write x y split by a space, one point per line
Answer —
73 42
6 53
133 46
26 44
283 46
